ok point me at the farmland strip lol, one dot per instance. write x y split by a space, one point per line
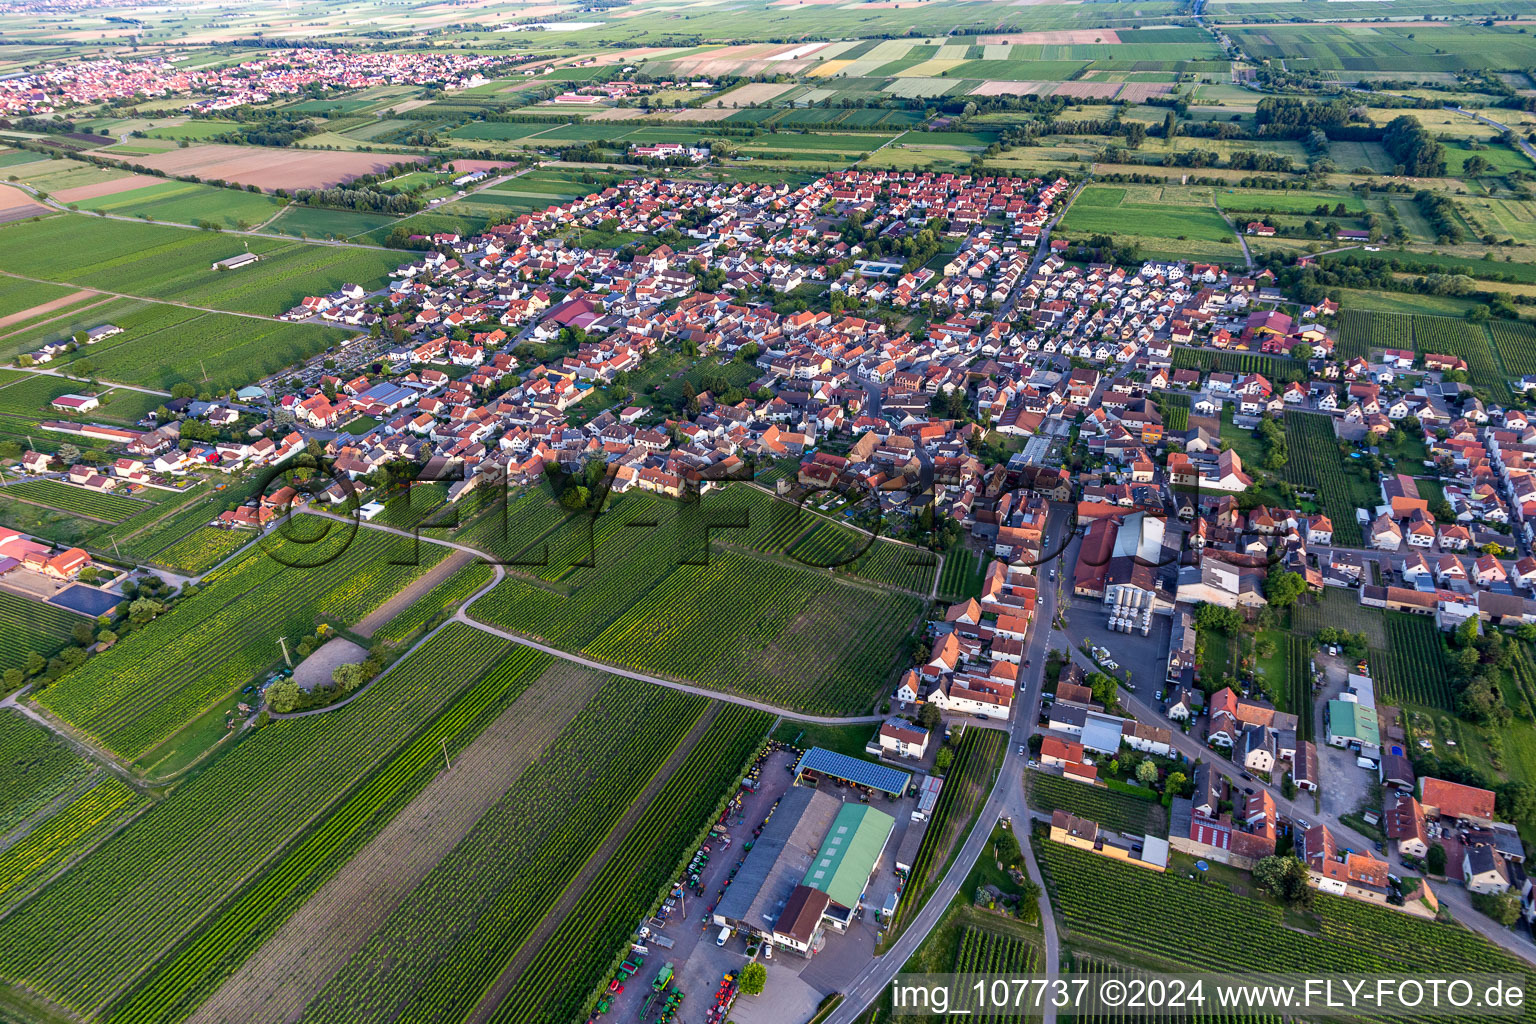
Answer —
306 952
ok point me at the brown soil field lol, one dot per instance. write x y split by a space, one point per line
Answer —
18 205
1135 92
107 188
272 168
46 307
746 95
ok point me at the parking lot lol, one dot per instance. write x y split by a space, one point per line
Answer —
1145 656
1346 786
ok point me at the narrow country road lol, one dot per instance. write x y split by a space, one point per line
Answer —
1525 147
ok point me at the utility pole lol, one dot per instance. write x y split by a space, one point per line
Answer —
444 742
282 642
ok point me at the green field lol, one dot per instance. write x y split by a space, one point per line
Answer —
160 262
1107 210
32 627
1143 916
444 958
69 498
160 677
1117 811
798 637
1342 485
966 785
235 818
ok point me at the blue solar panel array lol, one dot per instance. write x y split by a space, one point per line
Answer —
851 769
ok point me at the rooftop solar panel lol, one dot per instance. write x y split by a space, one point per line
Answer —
852 769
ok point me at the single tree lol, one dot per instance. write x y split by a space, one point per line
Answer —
753 977
1284 878
1146 773
929 717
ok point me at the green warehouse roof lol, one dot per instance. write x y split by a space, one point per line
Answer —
849 853
1351 720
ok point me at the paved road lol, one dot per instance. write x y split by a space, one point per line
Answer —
1525 147
1005 800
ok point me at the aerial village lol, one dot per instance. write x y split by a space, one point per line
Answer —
290 73
953 317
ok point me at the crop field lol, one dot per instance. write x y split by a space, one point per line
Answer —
795 638
1276 368
1315 462
1361 330
1457 337
168 345
1117 811
1174 408
202 549
69 498
1097 972
966 785
86 938
1102 209
35 769
325 848
17 296
31 626
29 394
571 962
1515 343
194 510
312 222
1146 915
653 589
71 830
448 594
162 676
436 959
985 952
962 575
832 545
1298 684
160 262
1411 665
1342 610
183 202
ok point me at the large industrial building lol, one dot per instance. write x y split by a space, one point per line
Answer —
807 869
